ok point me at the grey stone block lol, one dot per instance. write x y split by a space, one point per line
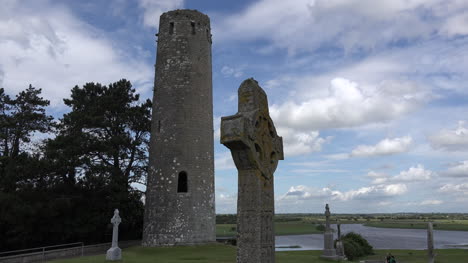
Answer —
114 253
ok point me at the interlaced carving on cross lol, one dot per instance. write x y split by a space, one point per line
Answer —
250 134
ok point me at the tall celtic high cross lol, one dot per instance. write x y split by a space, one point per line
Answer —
256 148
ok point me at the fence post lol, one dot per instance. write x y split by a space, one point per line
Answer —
82 249
43 254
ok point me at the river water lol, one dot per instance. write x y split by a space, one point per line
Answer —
380 238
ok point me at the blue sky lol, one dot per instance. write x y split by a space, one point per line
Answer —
370 96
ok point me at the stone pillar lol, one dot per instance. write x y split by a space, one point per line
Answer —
328 247
115 253
430 243
256 148
338 226
339 244
340 249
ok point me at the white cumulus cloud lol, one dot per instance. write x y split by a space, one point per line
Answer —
414 174
154 8
346 104
348 24
228 71
384 147
432 202
459 169
302 192
454 188
451 140
456 25
300 142
47 46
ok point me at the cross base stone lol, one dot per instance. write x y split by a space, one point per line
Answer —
335 257
114 253
329 252
340 249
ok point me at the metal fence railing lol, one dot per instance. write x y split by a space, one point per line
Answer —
42 250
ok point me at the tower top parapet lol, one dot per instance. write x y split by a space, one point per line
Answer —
183 14
184 22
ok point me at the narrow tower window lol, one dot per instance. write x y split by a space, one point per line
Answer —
193 27
171 28
182 186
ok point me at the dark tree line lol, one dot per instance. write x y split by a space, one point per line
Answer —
64 188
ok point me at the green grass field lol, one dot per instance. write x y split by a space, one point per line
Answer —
293 228
420 256
218 253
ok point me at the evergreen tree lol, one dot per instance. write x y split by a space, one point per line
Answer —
24 178
112 130
21 118
101 148
66 189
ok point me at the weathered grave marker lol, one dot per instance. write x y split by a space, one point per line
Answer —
430 243
115 253
339 243
328 248
256 148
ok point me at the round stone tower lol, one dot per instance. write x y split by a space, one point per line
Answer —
180 186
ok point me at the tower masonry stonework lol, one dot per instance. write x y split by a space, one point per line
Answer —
180 185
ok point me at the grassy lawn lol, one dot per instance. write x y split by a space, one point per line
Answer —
420 256
207 254
460 226
218 253
296 228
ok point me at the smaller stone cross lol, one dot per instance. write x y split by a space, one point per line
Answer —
338 226
430 243
115 253
339 244
115 220
329 251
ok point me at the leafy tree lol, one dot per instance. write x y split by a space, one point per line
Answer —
112 128
320 227
74 181
99 151
24 176
5 106
355 246
21 118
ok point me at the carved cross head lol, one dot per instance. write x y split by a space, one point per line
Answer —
116 218
250 134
